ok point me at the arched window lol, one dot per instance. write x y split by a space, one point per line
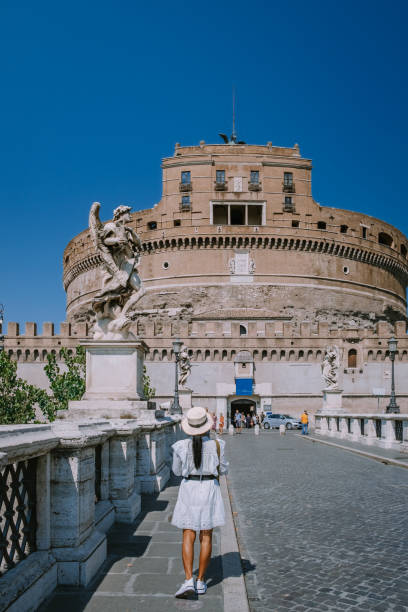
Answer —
403 250
242 330
384 238
352 358
343 229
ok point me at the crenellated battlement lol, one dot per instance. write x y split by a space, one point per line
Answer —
212 340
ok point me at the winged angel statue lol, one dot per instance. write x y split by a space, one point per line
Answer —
185 366
330 367
119 247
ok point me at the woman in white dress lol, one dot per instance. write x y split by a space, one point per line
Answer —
199 506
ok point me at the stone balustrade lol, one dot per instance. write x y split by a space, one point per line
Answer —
62 486
384 430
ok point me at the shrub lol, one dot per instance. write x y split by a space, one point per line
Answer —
17 397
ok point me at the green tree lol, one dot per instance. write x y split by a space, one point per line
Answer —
148 390
17 397
68 385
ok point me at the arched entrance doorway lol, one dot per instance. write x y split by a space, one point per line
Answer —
244 406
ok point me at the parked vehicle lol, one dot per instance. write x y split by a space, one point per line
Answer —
273 421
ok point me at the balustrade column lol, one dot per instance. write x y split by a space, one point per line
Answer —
355 429
78 547
389 433
343 427
371 437
153 471
124 490
324 426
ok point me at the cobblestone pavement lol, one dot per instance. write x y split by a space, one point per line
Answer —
385 453
144 569
325 529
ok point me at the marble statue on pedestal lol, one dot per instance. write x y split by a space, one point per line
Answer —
119 247
185 367
331 367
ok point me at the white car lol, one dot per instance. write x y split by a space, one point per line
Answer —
273 421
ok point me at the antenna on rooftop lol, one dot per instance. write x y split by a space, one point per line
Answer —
233 136
233 139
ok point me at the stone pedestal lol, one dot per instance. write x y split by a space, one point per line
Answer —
114 381
332 401
185 398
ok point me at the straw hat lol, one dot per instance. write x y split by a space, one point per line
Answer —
197 421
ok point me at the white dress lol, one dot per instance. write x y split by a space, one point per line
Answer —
199 504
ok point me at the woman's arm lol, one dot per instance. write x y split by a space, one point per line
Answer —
223 462
177 462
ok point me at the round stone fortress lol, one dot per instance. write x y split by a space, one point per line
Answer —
257 280
237 232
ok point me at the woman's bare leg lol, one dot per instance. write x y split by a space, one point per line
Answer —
205 551
187 551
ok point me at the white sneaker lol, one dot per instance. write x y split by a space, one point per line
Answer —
201 587
186 589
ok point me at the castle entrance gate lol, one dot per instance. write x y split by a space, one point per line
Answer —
245 406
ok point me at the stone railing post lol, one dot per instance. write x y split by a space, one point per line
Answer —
124 491
389 433
324 426
152 467
78 548
355 429
343 427
371 437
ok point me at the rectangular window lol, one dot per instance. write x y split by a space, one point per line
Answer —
186 178
185 200
288 200
237 214
288 178
254 215
177 222
254 177
295 223
364 232
220 214
220 176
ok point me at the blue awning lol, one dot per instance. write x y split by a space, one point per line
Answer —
243 386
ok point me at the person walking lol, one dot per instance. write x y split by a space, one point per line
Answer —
221 425
304 419
214 425
238 421
199 507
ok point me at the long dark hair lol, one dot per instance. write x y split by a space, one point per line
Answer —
197 450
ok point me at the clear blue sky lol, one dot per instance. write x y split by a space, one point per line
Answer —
94 94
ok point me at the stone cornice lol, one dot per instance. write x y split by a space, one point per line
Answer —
307 245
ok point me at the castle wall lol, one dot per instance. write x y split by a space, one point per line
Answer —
287 359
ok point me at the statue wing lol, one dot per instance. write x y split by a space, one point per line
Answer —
95 225
96 230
